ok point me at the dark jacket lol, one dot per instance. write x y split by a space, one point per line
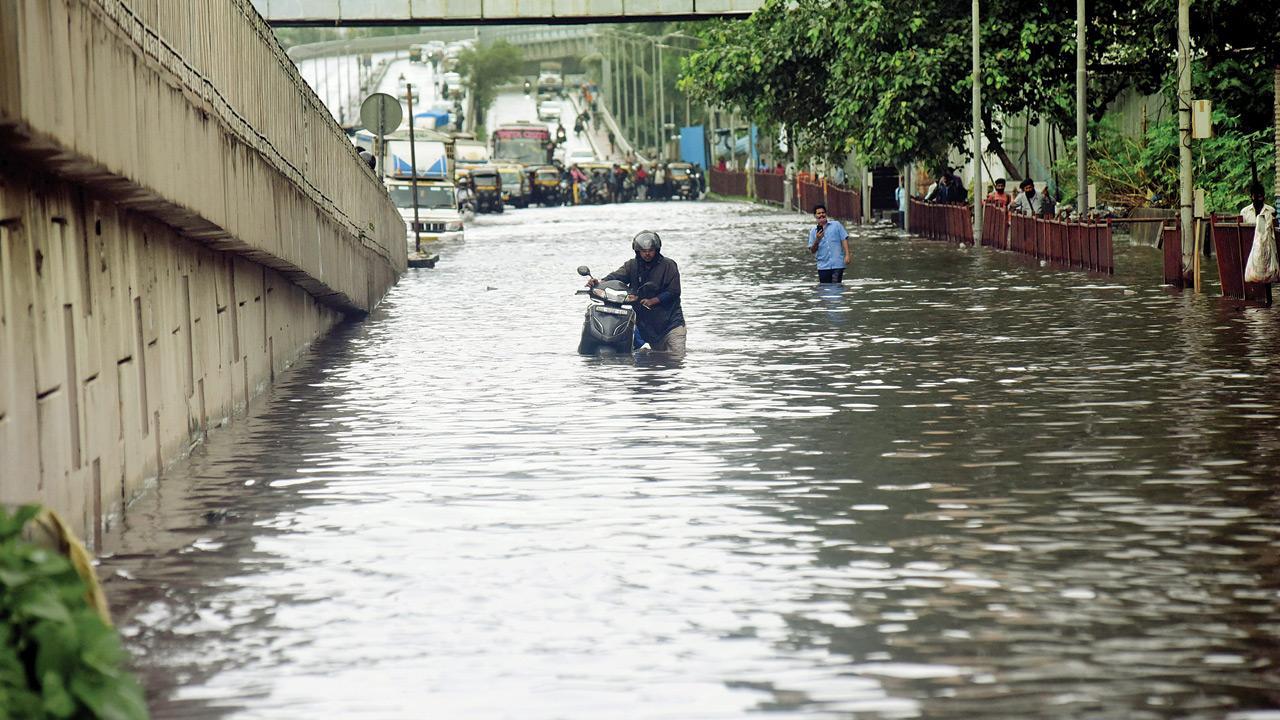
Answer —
655 322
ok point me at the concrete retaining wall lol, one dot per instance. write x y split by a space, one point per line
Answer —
179 218
121 342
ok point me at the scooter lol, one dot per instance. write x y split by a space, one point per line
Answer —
610 323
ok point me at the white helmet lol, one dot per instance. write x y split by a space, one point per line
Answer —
646 240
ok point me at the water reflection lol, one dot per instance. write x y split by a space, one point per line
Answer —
958 486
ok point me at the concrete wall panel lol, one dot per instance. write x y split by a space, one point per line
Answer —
122 408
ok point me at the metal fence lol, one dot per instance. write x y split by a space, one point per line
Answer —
728 182
942 221
995 227
844 203
1082 245
1232 242
770 187
1171 237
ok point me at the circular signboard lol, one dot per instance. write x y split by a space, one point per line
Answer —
381 113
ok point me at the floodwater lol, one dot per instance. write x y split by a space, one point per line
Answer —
959 486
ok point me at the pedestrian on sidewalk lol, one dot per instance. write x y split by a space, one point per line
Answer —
998 196
1030 202
829 244
612 139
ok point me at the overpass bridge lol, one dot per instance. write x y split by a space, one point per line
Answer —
180 217
329 13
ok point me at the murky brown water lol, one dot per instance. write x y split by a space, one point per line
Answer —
961 486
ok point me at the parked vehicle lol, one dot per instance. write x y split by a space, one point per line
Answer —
487 184
438 214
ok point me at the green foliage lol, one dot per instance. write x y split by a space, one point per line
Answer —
485 67
58 659
1144 171
889 80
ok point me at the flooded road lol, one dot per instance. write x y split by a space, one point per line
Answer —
960 486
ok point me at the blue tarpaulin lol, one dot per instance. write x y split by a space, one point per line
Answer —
436 118
693 145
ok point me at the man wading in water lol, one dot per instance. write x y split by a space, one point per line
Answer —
829 244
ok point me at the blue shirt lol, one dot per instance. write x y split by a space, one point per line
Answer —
830 252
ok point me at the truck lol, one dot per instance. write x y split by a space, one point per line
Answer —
436 197
550 80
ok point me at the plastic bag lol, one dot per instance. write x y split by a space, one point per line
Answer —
1263 266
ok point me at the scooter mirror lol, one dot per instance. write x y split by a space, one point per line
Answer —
584 271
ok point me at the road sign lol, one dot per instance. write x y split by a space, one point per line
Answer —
381 113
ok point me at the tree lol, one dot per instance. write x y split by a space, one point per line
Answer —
485 67
889 80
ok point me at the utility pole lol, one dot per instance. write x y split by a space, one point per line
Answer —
637 93
413 161
1185 200
1082 126
662 104
657 119
977 129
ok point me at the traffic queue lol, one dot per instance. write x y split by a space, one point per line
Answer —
491 188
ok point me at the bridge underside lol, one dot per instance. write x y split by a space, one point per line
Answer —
331 13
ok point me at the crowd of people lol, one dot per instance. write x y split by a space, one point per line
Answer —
949 188
624 182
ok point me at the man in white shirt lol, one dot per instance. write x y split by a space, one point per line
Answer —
1257 204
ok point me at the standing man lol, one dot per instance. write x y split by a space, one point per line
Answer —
1029 202
829 244
659 318
998 196
1257 205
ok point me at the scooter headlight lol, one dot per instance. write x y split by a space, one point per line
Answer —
615 296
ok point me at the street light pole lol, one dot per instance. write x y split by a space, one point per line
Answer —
977 129
1082 127
657 119
662 104
1184 134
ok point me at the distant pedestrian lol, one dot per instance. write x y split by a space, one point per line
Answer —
998 196
1030 202
829 244
948 190
612 140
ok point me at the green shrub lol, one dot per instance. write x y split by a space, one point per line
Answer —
58 658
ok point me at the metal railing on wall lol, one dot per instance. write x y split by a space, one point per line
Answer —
228 60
